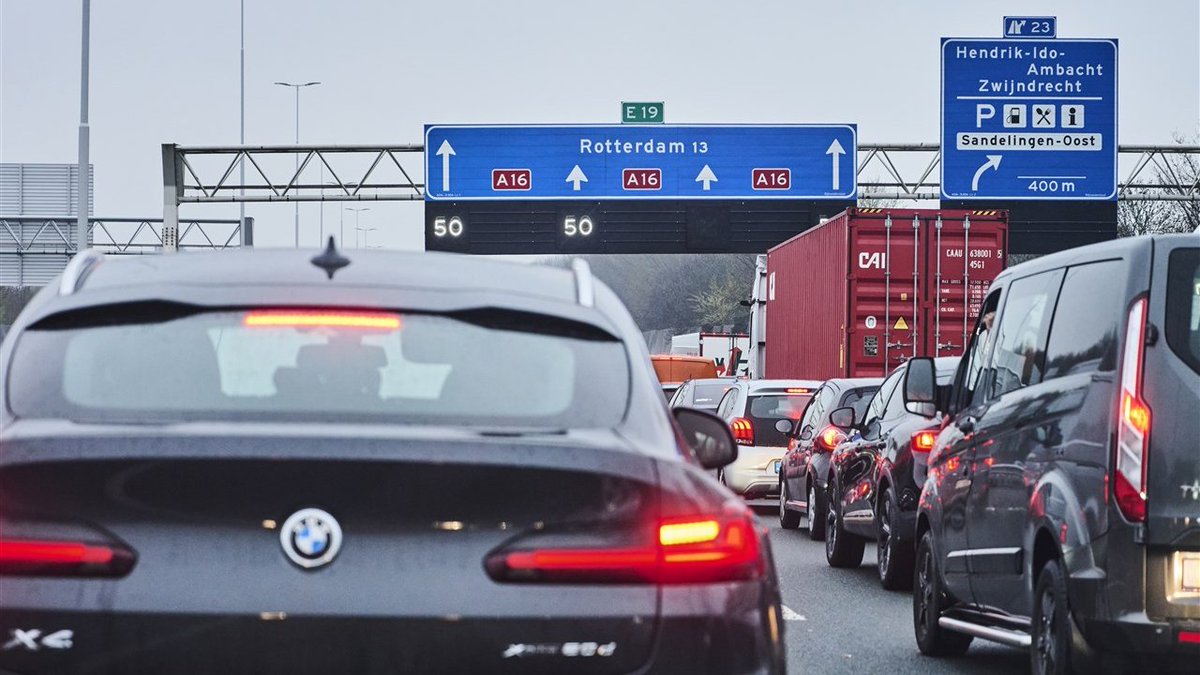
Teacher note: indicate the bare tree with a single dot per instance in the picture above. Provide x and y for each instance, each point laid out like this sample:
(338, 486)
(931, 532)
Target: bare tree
(1136, 217)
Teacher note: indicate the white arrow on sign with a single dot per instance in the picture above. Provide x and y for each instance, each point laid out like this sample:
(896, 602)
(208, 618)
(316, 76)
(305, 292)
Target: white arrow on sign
(576, 176)
(993, 162)
(444, 151)
(707, 177)
(836, 150)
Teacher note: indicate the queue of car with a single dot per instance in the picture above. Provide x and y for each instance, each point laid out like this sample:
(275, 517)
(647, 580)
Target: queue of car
(259, 423)
(1043, 491)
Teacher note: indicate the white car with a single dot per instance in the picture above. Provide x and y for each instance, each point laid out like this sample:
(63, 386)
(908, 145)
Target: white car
(753, 410)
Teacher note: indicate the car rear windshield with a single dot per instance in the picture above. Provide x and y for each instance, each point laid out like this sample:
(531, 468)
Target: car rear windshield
(1183, 305)
(320, 365)
(707, 396)
(765, 410)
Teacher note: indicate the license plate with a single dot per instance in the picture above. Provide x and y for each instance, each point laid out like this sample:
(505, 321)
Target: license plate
(776, 464)
(1189, 576)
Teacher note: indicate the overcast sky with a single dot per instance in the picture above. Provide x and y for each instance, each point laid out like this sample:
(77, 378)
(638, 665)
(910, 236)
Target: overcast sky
(167, 71)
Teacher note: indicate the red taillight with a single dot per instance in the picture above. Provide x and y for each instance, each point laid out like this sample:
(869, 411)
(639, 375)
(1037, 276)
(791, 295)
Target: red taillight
(322, 319)
(830, 437)
(922, 441)
(799, 390)
(686, 550)
(41, 557)
(1189, 637)
(743, 431)
(1133, 423)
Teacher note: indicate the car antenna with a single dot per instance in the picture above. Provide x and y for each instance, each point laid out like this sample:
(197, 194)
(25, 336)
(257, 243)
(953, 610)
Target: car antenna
(330, 260)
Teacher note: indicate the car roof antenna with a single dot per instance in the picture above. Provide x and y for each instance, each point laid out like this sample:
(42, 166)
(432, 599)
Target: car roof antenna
(330, 260)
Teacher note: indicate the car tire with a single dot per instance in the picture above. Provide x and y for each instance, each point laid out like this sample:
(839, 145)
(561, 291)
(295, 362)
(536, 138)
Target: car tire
(928, 601)
(895, 555)
(842, 549)
(816, 515)
(788, 519)
(1050, 651)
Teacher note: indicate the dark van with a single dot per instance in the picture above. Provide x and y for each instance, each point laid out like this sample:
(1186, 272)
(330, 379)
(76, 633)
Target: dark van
(1061, 512)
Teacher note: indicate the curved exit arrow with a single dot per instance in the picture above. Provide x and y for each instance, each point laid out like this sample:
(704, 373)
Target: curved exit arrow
(993, 162)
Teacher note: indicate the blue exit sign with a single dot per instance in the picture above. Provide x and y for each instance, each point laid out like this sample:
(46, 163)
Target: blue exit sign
(1030, 27)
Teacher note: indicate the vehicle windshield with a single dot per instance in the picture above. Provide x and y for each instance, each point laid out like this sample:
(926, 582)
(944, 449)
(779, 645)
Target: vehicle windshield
(319, 366)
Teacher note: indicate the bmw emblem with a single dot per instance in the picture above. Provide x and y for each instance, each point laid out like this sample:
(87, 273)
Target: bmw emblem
(311, 538)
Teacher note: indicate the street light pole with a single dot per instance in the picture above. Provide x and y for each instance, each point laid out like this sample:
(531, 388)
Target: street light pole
(296, 177)
(364, 231)
(357, 212)
(84, 182)
(242, 126)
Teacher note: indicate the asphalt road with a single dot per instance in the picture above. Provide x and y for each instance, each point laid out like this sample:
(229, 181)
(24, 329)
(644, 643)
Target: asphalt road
(843, 621)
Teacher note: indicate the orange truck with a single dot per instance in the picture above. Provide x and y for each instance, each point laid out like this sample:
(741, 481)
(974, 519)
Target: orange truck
(674, 369)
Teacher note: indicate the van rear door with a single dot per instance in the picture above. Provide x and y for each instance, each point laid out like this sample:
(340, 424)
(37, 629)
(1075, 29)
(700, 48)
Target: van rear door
(1171, 388)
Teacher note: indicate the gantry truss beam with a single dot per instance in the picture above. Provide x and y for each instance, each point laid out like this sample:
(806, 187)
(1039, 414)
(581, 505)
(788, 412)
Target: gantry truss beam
(347, 173)
(26, 235)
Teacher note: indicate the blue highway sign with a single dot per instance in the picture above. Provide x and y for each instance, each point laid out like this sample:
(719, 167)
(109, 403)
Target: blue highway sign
(1029, 119)
(1025, 27)
(620, 161)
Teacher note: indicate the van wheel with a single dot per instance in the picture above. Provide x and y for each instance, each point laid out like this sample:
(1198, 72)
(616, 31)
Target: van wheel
(816, 517)
(1050, 652)
(895, 555)
(842, 549)
(788, 520)
(928, 601)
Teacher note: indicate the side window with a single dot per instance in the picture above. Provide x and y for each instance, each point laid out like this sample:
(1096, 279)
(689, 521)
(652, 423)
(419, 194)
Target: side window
(895, 405)
(1019, 356)
(677, 398)
(726, 404)
(879, 403)
(820, 407)
(978, 350)
(1087, 317)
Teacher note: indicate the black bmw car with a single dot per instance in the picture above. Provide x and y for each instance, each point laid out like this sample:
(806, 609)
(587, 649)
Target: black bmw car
(266, 461)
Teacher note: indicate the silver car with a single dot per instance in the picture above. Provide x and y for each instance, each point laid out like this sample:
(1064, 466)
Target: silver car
(753, 409)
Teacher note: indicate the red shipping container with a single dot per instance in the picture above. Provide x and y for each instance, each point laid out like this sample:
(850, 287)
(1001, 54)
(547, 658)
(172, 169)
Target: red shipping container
(870, 288)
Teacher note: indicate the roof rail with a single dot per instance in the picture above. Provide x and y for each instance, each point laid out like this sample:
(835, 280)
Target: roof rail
(78, 269)
(585, 291)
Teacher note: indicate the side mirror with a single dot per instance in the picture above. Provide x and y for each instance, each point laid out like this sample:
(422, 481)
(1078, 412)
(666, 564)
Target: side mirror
(843, 418)
(784, 427)
(708, 436)
(920, 387)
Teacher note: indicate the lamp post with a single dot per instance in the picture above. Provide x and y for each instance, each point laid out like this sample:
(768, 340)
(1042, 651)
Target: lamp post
(364, 231)
(357, 211)
(81, 203)
(297, 87)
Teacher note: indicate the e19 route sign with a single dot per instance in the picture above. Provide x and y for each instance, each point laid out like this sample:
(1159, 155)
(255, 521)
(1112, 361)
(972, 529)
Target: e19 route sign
(661, 162)
(1029, 119)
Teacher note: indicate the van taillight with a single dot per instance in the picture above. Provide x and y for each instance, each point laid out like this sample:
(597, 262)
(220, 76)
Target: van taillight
(37, 557)
(743, 431)
(700, 549)
(922, 441)
(830, 437)
(1133, 421)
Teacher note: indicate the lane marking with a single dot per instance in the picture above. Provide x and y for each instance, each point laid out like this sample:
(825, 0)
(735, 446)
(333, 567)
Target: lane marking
(790, 614)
